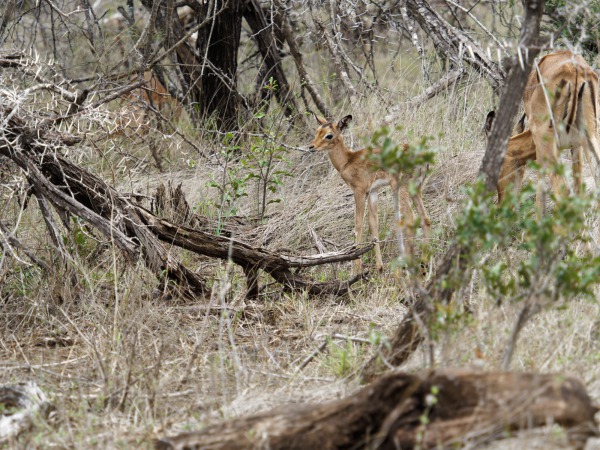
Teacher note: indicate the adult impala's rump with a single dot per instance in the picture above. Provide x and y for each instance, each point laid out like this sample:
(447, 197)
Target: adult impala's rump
(365, 180)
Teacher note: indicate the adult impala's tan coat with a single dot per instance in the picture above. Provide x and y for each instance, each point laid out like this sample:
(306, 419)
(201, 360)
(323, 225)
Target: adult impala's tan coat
(360, 175)
(560, 100)
(152, 96)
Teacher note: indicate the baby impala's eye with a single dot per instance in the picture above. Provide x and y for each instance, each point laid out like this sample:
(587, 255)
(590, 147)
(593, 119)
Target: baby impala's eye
(329, 136)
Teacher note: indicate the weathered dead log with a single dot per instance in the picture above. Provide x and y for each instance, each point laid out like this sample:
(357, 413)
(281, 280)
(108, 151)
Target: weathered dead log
(252, 259)
(459, 407)
(179, 226)
(170, 203)
(20, 405)
(75, 190)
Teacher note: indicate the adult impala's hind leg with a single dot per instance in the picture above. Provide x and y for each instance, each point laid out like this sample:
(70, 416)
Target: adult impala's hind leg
(587, 124)
(374, 227)
(359, 219)
(591, 144)
(511, 175)
(406, 222)
(576, 164)
(547, 155)
(423, 216)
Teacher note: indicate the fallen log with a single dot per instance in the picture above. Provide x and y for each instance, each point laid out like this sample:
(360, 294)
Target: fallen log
(252, 259)
(72, 189)
(20, 405)
(442, 409)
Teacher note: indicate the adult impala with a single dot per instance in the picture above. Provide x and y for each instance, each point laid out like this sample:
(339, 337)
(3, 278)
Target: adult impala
(560, 100)
(151, 96)
(365, 180)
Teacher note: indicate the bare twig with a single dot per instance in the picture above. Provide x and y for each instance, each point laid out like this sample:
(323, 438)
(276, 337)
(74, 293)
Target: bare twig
(312, 356)
(440, 86)
(338, 62)
(13, 241)
(297, 55)
(482, 26)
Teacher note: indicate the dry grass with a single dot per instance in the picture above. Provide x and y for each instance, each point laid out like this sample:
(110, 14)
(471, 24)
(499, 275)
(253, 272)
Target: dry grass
(123, 367)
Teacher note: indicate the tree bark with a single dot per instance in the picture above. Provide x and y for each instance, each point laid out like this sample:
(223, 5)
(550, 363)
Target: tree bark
(529, 47)
(458, 407)
(218, 44)
(5, 17)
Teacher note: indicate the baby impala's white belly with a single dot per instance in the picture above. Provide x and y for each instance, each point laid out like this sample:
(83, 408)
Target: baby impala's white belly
(378, 184)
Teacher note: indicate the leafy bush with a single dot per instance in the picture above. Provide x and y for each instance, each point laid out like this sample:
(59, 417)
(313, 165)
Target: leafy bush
(527, 258)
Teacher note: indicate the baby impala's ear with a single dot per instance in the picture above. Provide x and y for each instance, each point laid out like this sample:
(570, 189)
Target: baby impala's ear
(344, 121)
(489, 121)
(321, 120)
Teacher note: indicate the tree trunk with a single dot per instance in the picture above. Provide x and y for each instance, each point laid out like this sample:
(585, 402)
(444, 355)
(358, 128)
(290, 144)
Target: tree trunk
(271, 65)
(218, 44)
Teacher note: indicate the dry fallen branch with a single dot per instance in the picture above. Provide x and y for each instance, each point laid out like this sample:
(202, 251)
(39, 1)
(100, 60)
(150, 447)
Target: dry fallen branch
(86, 196)
(444, 83)
(72, 189)
(460, 407)
(252, 259)
(19, 406)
